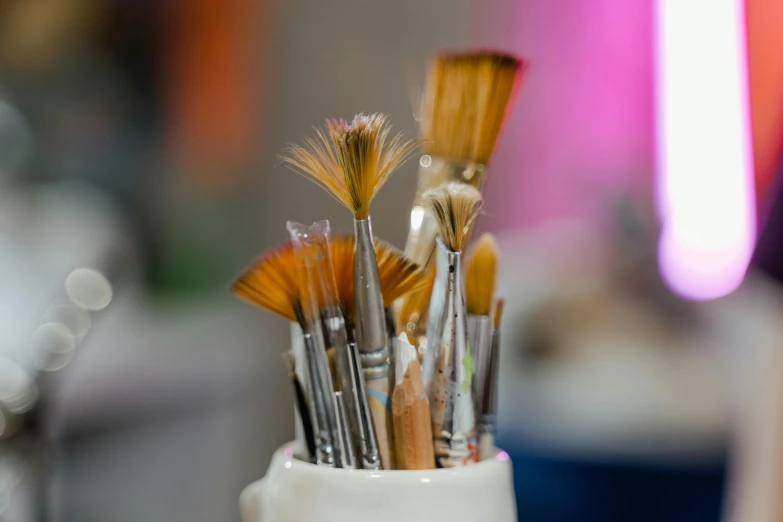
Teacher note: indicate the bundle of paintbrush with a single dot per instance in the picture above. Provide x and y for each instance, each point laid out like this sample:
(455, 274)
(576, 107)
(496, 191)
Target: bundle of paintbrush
(363, 399)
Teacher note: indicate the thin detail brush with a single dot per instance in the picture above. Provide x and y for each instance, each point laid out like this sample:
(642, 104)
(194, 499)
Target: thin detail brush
(480, 273)
(352, 161)
(448, 366)
(301, 407)
(488, 410)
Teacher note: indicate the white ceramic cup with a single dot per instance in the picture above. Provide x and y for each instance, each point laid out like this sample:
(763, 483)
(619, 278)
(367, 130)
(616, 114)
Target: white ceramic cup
(296, 491)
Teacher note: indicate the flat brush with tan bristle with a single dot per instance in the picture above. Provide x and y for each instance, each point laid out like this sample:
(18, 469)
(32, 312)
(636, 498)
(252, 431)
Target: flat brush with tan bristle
(467, 99)
(480, 272)
(447, 367)
(273, 283)
(466, 102)
(352, 161)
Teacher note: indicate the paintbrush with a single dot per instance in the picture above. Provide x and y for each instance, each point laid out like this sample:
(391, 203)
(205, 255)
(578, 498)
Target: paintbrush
(311, 245)
(352, 161)
(467, 99)
(348, 457)
(398, 275)
(273, 282)
(448, 366)
(411, 410)
(314, 242)
(480, 272)
(466, 102)
(487, 413)
(301, 407)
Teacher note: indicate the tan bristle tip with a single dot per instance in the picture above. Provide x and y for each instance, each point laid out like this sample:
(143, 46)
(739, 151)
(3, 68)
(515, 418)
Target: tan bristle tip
(455, 206)
(480, 274)
(351, 160)
(497, 316)
(467, 100)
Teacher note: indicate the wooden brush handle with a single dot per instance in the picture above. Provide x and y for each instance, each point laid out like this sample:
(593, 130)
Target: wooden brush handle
(379, 399)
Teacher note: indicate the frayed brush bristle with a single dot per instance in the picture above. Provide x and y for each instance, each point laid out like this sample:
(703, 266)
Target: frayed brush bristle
(468, 96)
(480, 273)
(455, 206)
(351, 161)
(399, 275)
(272, 283)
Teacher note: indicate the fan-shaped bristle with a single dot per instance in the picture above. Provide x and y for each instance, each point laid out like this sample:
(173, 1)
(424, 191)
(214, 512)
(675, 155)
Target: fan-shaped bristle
(467, 98)
(399, 275)
(272, 282)
(455, 206)
(480, 272)
(351, 161)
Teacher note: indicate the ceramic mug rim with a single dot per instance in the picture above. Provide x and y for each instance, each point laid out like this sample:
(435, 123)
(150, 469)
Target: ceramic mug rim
(285, 457)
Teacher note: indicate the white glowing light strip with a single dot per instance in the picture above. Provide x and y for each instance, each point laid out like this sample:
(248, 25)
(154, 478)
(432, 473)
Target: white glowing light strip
(705, 171)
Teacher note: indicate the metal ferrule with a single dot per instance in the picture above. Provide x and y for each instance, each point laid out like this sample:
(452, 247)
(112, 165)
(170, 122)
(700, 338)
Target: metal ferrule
(348, 460)
(433, 172)
(357, 411)
(437, 303)
(370, 321)
(480, 341)
(489, 398)
(321, 402)
(454, 418)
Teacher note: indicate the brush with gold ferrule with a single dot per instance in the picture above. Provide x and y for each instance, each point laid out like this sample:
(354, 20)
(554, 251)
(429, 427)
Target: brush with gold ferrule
(352, 161)
(480, 273)
(467, 99)
(448, 365)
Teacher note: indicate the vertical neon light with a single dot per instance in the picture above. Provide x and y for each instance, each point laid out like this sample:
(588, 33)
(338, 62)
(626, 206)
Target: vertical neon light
(705, 162)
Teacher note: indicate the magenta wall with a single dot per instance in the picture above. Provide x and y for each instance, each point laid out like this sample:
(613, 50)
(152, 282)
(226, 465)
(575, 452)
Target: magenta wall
(584, 120)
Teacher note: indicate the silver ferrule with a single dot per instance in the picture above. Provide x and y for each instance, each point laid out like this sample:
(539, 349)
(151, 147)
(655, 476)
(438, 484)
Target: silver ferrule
(479, 340)
(370, 319)
(321, 403)
(359, 419)
(435, 321)
(454, 418)
(348, 460)
(489, 399)
(434, 172)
